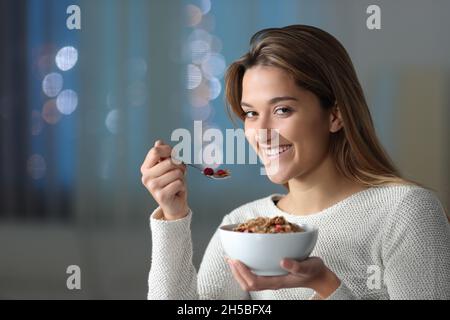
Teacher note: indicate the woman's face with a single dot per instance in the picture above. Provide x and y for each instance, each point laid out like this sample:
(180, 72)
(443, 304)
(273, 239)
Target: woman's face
(271, 100)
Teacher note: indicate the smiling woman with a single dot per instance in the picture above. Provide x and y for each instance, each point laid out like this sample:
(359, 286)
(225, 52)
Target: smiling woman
(320, 75)
(299, 82)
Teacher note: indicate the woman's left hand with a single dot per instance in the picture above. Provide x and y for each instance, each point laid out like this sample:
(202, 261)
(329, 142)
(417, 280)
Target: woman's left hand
(310, 273)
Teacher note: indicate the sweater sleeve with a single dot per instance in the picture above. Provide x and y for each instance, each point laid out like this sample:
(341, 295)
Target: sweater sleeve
(172, 274)
(416, 249)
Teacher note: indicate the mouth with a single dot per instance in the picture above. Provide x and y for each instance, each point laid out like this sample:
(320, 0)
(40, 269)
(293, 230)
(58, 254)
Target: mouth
(274, 152)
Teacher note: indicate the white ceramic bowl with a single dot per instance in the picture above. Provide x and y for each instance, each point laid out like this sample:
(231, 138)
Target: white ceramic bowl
(263, 252)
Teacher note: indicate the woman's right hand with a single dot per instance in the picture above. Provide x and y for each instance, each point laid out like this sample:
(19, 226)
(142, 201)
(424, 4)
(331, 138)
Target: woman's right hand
(165, 181)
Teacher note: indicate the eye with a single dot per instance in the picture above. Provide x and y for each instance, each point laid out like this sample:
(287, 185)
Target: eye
(249, 114)
(282, 111)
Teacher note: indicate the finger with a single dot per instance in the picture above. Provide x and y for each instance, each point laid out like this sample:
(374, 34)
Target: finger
(300, 267)
(173, 188)
(155, 155)
(260, 282)
(237, 276)
(158, 143)
(164, 180)
(162, 168)
(249, 277)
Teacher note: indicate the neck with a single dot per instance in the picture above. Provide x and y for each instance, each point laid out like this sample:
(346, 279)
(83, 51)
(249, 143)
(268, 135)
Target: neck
(319, 189)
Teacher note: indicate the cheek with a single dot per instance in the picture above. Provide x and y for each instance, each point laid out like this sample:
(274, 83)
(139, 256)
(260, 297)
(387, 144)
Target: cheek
(250, 134)
(311, 136)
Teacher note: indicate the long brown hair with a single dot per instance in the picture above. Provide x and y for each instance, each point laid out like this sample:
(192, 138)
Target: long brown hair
(319, 63)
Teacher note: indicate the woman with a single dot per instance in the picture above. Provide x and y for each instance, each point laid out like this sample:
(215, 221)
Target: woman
(300, 82)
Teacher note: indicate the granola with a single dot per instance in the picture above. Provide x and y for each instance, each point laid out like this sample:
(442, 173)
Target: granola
(276, 224)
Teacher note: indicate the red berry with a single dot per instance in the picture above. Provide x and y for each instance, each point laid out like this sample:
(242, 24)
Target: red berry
(208, 172)
(221, 172)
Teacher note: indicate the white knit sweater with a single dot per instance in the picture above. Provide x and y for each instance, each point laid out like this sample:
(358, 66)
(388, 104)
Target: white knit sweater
(397, 232)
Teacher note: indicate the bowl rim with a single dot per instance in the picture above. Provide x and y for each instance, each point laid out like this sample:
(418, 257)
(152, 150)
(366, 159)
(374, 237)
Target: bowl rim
(309, 229)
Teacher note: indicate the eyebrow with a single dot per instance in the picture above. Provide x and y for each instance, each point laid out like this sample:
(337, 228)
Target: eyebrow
(272, 101)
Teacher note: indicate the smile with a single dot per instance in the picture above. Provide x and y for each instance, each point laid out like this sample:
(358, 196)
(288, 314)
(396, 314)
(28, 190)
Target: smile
(275, 152)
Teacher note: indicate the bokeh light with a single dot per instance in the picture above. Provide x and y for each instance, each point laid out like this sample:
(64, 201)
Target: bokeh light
(36, 167)
(199, 97)
(67, 101)
(199, 50)
(43, 58)
(137, 68)
(50, 112)
(214, 66)
(199, 34)
(205, 6)
(216, 44)
(208, 23)
(194, 76)
(193, 15)
(112, 121)
(66, 58)
(52, 84)
(137, 93)
(201, 113)
(37, 124)
(215, 88)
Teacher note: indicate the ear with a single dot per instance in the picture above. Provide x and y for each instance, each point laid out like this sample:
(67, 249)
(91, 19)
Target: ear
(336, 122)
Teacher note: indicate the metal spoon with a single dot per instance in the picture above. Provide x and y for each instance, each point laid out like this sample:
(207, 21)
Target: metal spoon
(201, 169)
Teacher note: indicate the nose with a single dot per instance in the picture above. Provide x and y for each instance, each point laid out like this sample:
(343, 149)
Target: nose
(262, 132)
(267, 136)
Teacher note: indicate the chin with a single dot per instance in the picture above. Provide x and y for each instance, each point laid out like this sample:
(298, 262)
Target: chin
(279, 177)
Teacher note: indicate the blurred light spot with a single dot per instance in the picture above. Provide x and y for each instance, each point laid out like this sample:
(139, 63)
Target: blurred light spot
(43, 58)
(137, 93)
(194, 76)
(193, 15)
(214, 66)
(137, 68)
(112, 121)
(205, 6)
(67, 101)
(208, 23)
(215, 87)
(52, 84)
(199, 49)
(199, 34)
(201, 113)
(199, 97)
(36, 166)
(36, 123)
(216, 44)
(66, 58)
(45, 64)
(50, 112)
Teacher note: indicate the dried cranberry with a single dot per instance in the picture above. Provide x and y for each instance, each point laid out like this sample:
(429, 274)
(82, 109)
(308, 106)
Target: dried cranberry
(221, 173)
(208, 172)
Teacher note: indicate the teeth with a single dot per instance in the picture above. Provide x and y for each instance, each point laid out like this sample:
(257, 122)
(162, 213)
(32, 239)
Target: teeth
(277, 150)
